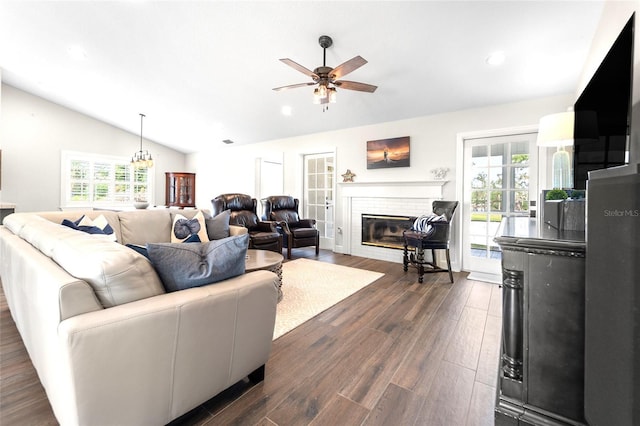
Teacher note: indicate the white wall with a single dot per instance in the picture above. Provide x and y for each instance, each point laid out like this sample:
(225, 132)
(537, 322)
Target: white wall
(433, 144)
(230, 168)
(34, 131)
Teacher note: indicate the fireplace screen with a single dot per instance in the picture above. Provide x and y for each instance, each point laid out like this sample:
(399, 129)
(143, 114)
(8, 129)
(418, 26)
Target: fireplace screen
(384, 230)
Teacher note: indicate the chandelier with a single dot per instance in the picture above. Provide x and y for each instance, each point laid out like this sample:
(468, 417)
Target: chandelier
(141, 158)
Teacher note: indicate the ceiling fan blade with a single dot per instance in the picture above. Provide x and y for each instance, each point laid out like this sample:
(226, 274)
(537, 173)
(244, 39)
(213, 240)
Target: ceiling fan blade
(293, 86)
(299, 67)
(354, 85)
(347, 67)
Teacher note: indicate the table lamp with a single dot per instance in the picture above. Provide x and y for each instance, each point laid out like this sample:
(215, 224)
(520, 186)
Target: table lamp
(556, 130)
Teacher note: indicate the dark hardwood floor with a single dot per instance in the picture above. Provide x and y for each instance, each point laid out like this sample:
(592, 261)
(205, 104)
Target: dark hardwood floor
(395, 353)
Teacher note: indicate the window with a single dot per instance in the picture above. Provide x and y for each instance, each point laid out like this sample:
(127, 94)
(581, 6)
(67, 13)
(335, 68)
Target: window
(92, 180)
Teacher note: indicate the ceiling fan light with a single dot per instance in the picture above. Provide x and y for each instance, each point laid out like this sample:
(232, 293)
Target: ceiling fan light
(333, 95)
(316, 96)
(322, 91)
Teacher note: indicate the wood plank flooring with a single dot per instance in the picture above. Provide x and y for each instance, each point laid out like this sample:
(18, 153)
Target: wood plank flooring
(395, 353)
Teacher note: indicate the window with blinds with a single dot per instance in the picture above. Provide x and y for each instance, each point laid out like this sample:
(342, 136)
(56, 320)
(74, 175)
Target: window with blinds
(92, 180)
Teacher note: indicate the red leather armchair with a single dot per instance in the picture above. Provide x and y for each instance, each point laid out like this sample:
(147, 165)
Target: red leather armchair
(297, 232)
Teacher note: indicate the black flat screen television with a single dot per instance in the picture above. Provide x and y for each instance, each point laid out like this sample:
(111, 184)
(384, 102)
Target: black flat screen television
(603, 112)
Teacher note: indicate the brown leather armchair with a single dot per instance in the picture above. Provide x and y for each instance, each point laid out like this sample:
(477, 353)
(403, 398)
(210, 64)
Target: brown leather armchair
(262, 235)
(283, 210)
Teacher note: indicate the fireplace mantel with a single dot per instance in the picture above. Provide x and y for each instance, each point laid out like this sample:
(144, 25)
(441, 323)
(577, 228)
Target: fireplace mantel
(403, 189)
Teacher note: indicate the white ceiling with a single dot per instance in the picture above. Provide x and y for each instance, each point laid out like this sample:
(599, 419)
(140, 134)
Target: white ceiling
(204, 71)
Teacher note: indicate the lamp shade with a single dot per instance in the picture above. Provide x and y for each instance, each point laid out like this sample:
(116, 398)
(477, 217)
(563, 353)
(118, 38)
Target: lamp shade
(556, 129)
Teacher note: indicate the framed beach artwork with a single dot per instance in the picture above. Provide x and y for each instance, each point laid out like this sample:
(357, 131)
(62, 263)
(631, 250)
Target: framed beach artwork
(385, 153)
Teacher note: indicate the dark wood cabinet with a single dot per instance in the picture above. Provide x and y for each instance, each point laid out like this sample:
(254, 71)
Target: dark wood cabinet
(541, 375)
(180, 189)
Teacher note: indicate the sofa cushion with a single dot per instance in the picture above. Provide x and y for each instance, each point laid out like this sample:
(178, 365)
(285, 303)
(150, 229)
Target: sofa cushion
(182, 266)
(116, 274)
(58, 216)
(218, 226)
(145, 226)
(183, 228)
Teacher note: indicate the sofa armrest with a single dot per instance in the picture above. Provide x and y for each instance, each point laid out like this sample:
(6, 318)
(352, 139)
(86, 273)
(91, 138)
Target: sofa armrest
(175, 350)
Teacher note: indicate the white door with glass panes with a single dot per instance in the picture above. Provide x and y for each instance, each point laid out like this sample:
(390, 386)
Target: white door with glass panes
(318, 204)
(500, 179)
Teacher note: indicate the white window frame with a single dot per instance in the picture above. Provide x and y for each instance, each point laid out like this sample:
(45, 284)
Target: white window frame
(65, 185)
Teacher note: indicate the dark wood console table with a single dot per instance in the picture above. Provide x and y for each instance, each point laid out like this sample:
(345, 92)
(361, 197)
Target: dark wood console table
(541, 375)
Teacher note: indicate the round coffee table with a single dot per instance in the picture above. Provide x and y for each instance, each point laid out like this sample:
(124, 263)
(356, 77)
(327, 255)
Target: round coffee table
(267, 260)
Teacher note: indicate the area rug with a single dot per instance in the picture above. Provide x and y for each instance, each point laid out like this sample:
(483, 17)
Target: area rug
(310, 287)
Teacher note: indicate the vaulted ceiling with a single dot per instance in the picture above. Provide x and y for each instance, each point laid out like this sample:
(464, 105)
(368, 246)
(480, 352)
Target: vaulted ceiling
(203, 71)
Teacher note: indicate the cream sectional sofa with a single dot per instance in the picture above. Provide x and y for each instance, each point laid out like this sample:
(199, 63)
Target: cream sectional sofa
(109, 345)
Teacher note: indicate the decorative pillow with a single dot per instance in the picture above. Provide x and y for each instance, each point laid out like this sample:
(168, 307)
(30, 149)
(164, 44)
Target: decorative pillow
(218, 227)
(423, 223)
(140, 249)
(183, 228)
(101, 222)
(143, 250)
(99, 226)
(182, 266)
(193, 238)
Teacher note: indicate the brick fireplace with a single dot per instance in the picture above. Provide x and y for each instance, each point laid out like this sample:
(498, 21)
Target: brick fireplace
(405, 199)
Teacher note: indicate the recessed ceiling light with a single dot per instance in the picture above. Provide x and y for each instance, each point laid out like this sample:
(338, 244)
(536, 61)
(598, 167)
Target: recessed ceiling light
(286, 110)
(228, 141)
(77, 53)
(496, 58)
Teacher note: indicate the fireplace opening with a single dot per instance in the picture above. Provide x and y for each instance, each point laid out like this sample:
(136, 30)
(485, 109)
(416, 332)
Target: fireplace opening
(384, 230)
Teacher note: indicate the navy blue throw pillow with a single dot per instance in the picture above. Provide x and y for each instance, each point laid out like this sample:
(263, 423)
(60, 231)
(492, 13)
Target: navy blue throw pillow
(181, 266)
(140, 249)
(83, 228)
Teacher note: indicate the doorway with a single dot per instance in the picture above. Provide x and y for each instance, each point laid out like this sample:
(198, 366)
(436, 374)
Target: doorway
(319, 190)
(500, 180)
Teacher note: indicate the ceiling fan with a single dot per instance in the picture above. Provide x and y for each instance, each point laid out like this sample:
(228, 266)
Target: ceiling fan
(327, 78)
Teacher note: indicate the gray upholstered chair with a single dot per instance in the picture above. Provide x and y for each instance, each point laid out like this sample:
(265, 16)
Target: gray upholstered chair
(262, 235)
(297, 232)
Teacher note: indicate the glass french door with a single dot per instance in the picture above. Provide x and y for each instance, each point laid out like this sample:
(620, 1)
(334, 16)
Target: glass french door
(500, 179)
(318, 204)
